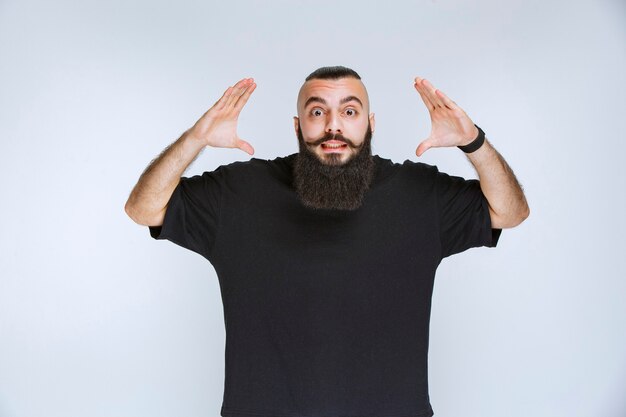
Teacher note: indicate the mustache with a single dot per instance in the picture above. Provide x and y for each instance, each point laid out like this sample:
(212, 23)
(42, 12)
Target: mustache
(332, 136)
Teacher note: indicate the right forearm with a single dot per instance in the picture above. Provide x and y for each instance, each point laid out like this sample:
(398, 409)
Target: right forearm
(148, 200)
(216, 128)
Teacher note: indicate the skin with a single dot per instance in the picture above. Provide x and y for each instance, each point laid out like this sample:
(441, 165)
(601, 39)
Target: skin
(344, 110)
(217, 128)
(451, 127)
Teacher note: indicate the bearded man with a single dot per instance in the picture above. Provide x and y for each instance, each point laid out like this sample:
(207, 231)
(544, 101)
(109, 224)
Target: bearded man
(326, 258)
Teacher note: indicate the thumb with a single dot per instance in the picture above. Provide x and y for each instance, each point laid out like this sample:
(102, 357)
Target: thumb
(423, 147)
(245, 146)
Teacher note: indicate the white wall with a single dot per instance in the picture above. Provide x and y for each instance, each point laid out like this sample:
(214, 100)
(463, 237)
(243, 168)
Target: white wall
(97, 319)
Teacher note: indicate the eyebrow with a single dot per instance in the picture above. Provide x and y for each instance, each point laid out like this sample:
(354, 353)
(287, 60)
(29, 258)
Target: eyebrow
(316, 99)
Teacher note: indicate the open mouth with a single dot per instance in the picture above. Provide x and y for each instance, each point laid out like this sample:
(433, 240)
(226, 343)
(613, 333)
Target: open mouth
(334, 146)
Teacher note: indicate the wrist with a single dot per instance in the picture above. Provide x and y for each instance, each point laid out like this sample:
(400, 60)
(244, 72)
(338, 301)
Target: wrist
(476, 143)
(193, 141)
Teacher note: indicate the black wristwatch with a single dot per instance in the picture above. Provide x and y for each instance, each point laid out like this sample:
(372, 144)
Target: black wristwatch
(475, 144)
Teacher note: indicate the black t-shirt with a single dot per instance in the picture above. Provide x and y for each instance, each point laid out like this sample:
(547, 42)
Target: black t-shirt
(326, 311)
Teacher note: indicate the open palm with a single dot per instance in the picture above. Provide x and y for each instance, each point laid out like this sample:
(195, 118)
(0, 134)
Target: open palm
(218, 126)
(451, 126)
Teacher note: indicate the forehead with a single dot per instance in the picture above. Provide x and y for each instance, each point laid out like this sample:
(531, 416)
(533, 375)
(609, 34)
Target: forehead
(333, 91)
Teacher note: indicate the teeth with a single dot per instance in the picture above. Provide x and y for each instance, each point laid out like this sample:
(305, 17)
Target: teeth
(333, 146)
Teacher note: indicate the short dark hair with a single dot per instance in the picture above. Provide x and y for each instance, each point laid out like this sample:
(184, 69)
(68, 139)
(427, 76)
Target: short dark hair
(332, 73)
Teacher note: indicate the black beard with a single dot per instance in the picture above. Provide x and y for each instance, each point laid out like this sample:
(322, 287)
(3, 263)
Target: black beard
(333, 185)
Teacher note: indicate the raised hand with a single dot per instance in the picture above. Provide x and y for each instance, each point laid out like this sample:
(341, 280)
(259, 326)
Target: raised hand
(451, 126)
(218, 126)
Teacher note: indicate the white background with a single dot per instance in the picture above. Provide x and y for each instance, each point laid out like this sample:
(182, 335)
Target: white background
(98, 319)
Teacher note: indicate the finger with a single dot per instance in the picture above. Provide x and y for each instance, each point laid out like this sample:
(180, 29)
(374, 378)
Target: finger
(236, 93)
(423, 147)
(222, 100)
(245, 146)
(446, 100)
(244, 97)
(420, 89)
(431, 91)
(427, 102)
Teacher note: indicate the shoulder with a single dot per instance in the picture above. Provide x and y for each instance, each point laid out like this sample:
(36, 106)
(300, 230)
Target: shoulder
(406, 165)
(425, 177)
(278, 166)
(430, 172)
(419, 167)
(253, 171)
(388, 168)
(258, 163)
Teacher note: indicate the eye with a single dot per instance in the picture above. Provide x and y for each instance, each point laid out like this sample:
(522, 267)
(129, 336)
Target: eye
(316, 112)
(350, 112)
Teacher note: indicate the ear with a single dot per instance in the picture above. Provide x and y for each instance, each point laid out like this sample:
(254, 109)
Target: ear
(372, 122)
(295, 124)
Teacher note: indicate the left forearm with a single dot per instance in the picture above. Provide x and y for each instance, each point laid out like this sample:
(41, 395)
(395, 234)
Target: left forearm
(507, 203)
(451, 126)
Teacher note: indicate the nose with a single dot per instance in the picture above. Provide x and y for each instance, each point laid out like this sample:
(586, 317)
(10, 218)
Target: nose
(333, 123)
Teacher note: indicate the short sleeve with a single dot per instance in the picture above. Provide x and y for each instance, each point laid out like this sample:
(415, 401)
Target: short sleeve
(192, 214)
(464, 217)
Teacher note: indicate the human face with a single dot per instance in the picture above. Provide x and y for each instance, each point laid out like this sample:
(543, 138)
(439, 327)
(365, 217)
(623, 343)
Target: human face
(333, 118)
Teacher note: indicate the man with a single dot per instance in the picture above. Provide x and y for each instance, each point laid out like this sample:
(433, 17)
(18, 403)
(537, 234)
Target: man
(326, 258)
